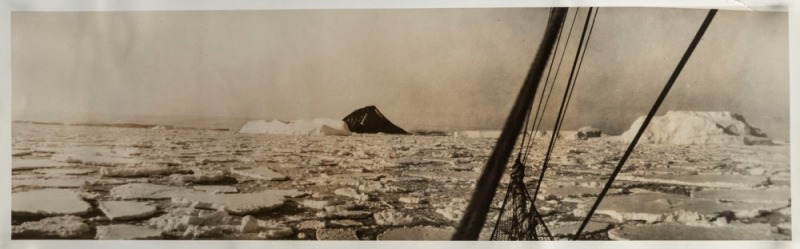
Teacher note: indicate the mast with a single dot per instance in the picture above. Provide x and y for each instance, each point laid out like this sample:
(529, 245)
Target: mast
(475, 215)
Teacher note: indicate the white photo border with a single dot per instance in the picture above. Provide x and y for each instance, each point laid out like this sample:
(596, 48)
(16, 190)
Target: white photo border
(170, 5)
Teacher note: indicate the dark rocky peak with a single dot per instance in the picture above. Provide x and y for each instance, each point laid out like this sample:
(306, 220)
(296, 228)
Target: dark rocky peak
(370, 120)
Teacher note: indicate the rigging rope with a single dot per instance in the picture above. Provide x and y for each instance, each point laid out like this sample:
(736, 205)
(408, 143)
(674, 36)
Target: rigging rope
(546, 82)
(517, 185)
(524, 221)
(653, 110)
(538, 119)
(524, 133)
(580, 63)
(561, 111)
(475, 215)
(523, 224)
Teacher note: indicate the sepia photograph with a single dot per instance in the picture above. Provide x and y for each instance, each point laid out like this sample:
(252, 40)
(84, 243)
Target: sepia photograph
(424, 124)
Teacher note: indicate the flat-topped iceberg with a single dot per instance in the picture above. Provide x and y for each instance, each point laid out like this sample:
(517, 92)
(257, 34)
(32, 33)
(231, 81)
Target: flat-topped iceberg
(318, 126)
(689, 127)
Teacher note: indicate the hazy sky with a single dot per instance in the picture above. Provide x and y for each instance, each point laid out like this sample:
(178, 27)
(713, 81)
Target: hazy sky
(424, 69)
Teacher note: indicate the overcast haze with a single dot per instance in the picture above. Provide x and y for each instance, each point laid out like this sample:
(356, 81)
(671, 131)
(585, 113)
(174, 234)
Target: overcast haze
(443, 69)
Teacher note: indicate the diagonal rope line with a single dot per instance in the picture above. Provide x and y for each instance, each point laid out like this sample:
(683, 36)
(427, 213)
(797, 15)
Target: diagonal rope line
(560, 117)
(581, 54)
(539, 116)
(475, 215)
(653, 110)
(525, 150)
(580, 64)
(511, 187)
(524, 133)
(533, 212)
